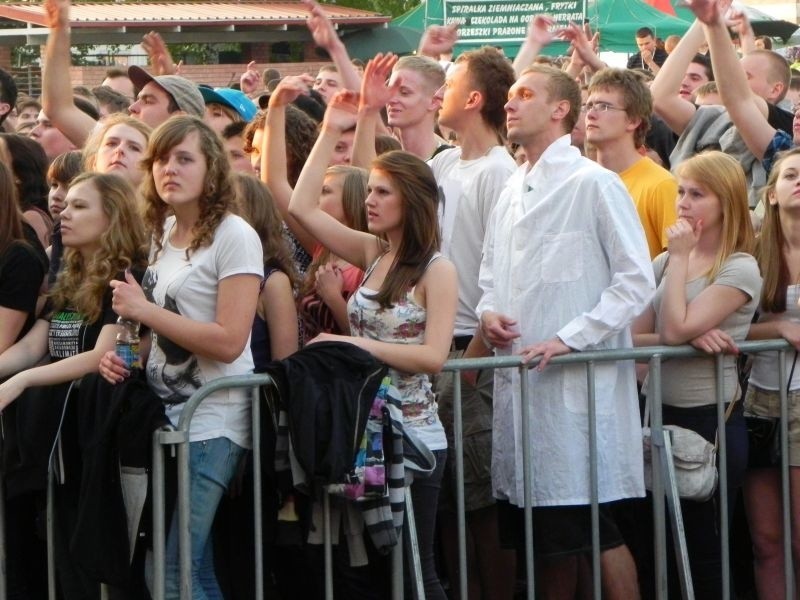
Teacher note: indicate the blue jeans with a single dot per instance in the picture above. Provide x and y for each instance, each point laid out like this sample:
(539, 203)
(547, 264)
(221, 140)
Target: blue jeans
(212, 464)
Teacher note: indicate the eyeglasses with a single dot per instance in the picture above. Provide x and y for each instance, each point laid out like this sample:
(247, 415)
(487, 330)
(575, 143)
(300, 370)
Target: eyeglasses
(600, 107)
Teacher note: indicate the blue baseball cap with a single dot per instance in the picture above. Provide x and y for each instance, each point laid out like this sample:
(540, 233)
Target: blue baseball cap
(231, 98)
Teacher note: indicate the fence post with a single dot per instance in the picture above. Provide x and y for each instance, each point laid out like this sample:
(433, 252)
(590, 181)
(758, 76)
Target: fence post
(458, 440)
(527, 484)
(595, 508)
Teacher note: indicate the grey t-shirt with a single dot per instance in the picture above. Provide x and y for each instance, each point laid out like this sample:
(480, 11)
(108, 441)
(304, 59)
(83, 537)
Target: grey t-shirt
(690, 382)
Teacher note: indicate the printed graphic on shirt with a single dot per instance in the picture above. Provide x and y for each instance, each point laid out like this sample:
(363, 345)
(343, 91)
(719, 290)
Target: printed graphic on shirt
(173, 369)
(64, 335)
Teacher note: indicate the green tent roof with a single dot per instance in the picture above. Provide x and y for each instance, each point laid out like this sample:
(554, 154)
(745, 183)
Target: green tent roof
(618, 20)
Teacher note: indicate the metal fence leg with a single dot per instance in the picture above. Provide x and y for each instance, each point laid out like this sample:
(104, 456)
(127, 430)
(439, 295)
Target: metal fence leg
(3, 568)
(678, 532)
(593, 478)
(51, 558)
(397, 569)
(458, 440)
(414, 564)
(184, 533)
(527, 484)
(327, 544)
(258, 534)
(659, 477)
(159, 519)
(723, 478)
(786, 502)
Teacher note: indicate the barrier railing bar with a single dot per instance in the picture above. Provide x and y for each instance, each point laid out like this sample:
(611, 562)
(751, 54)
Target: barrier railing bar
(656, 459)
(51, 557)
(719, 371)
(258, 533)
(644, 353)
(786, 503)
(3, 568)
(328, 544)
(397, 569)
(159, 516)
(458, 440)
(595, 508)
(527, 484)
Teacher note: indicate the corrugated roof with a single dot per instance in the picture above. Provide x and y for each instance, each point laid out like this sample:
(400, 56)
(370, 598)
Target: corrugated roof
(197, 14)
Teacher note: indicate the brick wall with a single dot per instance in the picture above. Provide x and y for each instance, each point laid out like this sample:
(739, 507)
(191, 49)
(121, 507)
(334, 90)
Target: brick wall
(215, 75)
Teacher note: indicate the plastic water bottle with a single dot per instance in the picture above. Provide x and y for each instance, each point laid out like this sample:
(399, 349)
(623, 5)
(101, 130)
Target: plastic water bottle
(128, 343)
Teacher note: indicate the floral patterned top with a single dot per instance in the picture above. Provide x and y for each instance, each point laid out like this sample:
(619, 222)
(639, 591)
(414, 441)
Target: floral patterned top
(403, 323)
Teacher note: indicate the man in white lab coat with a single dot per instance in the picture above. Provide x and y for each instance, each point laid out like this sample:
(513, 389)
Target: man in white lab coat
(565, 268)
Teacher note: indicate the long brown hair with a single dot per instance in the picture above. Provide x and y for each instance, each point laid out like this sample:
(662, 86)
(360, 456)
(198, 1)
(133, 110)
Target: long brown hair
(414, 181)
(123, 245)
(255, 205)
(218, 196)
(10, 215)
(771, 243)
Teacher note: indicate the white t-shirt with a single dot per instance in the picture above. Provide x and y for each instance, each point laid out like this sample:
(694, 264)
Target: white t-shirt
(470, 189)
(189, 288)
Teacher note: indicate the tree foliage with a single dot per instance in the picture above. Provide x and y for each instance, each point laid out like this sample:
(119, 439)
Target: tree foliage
(393, 8)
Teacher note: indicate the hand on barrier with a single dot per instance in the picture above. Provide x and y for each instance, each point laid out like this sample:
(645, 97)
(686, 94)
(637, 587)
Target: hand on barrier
(546, 350)
(715, 341)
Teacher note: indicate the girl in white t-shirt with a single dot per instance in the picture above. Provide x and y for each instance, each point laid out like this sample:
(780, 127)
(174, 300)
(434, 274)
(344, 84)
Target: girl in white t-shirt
(198, 298)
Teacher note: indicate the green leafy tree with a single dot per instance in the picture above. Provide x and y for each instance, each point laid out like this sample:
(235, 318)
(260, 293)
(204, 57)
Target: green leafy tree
(393, 8)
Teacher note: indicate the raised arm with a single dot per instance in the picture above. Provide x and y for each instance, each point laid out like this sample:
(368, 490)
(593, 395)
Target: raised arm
(324, 34)
(356, 247)
(57, 101)
(584, 48)
(61, 371)
(274, 170)
(438, 40)
(375, 94)
(738, 21)
(747, 111)
(538, 36)
(159, 55)
(667, 103)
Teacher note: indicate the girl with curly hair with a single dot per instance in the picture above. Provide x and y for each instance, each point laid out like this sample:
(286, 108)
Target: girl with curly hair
(198, 299)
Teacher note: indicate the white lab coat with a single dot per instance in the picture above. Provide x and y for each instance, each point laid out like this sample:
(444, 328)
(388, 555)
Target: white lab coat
(566, 256)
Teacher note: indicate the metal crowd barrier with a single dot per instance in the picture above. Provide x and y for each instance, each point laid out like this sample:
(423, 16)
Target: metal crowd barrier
(655, 355)
(660, 444)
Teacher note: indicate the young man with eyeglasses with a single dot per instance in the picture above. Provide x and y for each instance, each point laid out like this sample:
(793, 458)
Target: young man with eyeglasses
(565, 268)
(617, 119)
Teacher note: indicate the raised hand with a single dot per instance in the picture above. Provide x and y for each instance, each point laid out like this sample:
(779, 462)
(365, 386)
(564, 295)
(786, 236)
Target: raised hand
(57, 13)
(540, 30)
(576, 35)
(342, 111)
(375, 93)
(289, 89)
(438, 39)
(329, 282)
(250, 80)
(320, 26)
(708, 12)
(158, 54)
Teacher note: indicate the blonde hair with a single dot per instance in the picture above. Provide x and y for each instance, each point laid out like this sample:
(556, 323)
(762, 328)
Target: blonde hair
(723, 176)
(92, 146)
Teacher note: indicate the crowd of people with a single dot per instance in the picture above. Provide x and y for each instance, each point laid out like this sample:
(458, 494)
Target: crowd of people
(413, 209)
